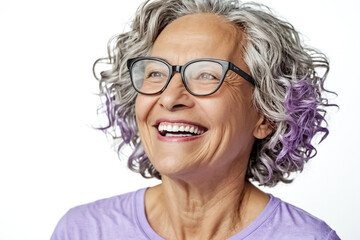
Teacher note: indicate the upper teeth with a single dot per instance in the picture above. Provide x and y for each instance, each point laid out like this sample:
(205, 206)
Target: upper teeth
(179, 127)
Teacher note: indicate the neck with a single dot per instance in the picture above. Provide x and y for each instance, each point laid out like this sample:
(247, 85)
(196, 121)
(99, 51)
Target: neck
(209, 209)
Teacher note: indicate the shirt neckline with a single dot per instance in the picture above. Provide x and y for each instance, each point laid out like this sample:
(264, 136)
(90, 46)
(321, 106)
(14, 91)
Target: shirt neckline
(145, 227)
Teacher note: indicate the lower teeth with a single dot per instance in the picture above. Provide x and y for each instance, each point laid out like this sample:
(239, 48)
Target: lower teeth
(178, 135)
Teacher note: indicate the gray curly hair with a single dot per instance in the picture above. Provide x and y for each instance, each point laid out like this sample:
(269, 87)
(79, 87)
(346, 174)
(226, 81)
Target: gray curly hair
(288, 92)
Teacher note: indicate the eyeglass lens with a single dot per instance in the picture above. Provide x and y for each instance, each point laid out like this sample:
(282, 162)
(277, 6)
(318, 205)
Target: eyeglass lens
(201, 77)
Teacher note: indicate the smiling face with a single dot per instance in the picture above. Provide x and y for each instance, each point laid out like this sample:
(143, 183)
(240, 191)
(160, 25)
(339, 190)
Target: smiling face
(186, 135)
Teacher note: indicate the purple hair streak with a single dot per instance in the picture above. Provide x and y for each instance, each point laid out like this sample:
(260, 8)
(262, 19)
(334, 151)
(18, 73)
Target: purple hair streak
(306, 118)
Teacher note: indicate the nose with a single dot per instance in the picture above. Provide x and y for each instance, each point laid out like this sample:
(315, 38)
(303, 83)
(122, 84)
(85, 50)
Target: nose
(175, 96)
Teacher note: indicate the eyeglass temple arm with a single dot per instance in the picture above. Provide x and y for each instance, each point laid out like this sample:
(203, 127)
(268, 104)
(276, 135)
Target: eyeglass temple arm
(243, 74)
(129, 62)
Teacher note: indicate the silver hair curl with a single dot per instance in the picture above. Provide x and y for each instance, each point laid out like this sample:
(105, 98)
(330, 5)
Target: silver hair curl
(279, 62)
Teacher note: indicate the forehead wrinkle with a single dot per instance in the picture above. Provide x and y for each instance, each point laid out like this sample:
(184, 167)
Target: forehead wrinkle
(198, 29)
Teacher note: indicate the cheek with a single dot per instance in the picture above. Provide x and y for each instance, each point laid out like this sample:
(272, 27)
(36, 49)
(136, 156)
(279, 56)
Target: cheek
(239, 99)
(236, 107)
(139, 111)
(143, 107)
(237, 116)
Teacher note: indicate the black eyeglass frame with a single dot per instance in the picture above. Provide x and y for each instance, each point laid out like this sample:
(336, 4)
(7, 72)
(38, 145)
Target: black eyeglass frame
(181, 69)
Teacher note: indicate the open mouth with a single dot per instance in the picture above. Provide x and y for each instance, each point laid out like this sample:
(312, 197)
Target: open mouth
(167, 129)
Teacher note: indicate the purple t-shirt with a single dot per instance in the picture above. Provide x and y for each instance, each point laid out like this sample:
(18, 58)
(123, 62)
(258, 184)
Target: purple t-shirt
(123, 217)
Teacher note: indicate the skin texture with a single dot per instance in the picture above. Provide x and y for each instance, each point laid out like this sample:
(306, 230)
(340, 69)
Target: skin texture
(203, 194)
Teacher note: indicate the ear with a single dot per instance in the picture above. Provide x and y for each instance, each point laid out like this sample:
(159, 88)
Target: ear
(263, 128)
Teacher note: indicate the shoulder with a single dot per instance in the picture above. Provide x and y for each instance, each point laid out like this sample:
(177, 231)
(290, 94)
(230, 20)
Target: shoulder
(103, 219)
(291, 222)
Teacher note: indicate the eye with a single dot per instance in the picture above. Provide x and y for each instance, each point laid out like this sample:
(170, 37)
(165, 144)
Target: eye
(207, 76)
(156, 75)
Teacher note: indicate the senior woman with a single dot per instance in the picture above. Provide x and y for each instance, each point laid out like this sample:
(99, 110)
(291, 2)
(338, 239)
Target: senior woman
(210, 94)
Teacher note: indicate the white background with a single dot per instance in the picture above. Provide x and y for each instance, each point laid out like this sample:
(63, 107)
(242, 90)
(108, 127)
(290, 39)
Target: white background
(50, 157)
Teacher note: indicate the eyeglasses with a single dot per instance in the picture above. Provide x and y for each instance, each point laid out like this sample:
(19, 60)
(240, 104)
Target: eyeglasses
(201, 77)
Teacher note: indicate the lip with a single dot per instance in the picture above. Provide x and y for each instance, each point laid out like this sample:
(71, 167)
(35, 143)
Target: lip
(177, 139)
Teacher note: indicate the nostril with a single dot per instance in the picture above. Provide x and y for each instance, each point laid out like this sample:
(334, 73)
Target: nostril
(174, 107)
(178, 106)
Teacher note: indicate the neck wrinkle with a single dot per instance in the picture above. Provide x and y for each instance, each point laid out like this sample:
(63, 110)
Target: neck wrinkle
(202, 213)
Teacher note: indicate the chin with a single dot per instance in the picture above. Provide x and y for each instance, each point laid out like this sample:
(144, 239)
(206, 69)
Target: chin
(169, 165)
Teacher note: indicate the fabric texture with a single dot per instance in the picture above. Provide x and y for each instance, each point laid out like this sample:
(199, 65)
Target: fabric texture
(123, 217)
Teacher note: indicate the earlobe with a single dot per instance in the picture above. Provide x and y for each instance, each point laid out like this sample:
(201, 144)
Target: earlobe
(263, 128)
